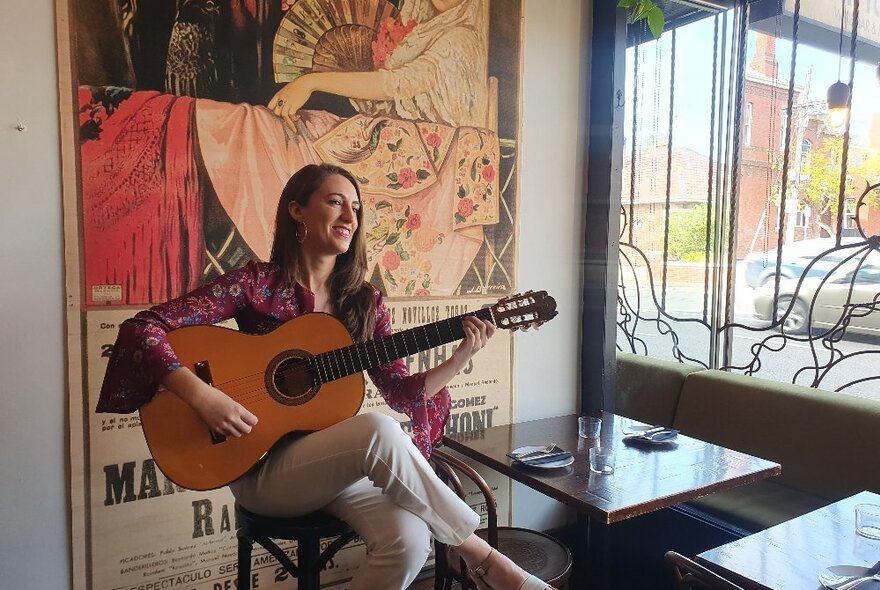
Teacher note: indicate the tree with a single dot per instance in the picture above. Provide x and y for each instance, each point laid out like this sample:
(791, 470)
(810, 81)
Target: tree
(820, 179)
(687, 235)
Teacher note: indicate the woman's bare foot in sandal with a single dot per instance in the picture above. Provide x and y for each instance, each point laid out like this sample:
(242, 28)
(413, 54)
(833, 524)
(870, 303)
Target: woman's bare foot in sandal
(492, 570)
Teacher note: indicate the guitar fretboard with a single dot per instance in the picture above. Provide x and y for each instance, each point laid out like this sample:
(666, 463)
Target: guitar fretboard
(336, 364)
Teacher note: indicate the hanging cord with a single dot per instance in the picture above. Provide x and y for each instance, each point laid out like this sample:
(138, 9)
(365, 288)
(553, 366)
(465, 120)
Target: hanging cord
(786, 155)
(840, 42)
(668, 173)
(769, 179)
(736, 166)
(841, 196)
(633, 153)
(712, 101)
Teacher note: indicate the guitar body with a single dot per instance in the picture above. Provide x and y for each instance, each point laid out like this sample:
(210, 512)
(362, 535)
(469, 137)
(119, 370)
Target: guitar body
(247, 367)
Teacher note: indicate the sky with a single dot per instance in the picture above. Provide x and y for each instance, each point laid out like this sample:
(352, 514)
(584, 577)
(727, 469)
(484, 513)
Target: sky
(693, 83)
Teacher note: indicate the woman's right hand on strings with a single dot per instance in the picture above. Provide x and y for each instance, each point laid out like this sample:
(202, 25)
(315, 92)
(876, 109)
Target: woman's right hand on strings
(222, 414)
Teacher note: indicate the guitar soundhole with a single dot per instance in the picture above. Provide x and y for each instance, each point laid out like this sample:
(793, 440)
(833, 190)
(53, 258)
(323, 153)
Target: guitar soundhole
(289, 378)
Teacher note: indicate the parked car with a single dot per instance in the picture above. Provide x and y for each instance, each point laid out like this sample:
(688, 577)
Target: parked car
(861, 291)
(761, 266)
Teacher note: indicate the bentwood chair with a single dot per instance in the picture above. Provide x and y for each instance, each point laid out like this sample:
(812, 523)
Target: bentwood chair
(537, 553)
(307, 531)
(690, 575)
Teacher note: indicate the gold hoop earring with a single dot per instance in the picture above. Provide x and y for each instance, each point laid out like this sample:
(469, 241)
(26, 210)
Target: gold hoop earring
(305, 233)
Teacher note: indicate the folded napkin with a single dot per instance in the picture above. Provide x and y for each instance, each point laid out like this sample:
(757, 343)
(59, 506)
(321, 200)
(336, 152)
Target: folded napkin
(537, 455)
(654, 435)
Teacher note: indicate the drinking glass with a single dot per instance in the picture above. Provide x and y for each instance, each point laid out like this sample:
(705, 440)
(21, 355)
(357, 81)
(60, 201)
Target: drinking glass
(868, 520)
(589, 426)
(602, 460)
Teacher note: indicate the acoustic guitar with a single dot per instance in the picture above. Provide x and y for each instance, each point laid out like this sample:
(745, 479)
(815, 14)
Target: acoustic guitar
(301, 377)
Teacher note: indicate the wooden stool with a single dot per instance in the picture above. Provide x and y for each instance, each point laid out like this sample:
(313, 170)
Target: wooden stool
(306, 530)
(539, 554)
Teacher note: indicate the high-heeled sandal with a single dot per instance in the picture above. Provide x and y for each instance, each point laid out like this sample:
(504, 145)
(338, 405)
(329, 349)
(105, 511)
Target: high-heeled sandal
(477, 575)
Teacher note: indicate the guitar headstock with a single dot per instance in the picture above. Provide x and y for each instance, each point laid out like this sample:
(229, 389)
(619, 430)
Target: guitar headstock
(524, 310)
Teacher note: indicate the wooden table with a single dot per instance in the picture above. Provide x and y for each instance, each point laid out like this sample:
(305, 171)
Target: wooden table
(645, 478)
(791, 555)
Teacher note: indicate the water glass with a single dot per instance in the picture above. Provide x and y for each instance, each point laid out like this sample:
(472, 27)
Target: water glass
(602, 460)
(868, 520)
(589, 426)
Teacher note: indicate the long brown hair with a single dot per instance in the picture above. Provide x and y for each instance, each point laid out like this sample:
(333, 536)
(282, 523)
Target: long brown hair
(353, 298)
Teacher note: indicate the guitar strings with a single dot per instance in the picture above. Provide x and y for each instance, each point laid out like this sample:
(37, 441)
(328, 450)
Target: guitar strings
(334, 364)
(326, 364)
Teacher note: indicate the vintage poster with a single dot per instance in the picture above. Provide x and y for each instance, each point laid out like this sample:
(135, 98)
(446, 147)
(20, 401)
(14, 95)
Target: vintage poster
(186, 119)
(149, 533)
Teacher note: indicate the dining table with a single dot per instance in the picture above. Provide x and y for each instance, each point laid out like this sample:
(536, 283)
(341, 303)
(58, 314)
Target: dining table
(646, 477)
(790, 555)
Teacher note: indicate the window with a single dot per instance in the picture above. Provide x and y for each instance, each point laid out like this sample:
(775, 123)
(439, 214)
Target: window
(783, 121)
(802, 217)
(690, 291)
(849, 217)
(747, 130)
(806, 155)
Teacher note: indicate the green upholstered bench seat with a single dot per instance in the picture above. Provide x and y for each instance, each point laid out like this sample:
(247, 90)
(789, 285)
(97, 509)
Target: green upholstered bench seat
(759, 505)
(826, 442)
(648, 388)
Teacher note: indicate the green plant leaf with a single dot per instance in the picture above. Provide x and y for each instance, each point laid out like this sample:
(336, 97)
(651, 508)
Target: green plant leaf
(627, 4)
(656, 20)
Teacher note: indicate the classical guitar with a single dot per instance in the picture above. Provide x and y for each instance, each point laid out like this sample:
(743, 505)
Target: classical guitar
(304, 376)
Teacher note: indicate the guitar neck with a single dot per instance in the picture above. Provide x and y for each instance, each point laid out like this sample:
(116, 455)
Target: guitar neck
(341, 362)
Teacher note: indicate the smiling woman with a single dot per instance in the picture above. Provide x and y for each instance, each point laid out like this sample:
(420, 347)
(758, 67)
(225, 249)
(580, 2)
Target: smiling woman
(362, 469)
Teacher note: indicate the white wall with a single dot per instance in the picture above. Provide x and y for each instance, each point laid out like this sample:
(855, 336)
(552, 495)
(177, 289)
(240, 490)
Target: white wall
(35, 545)
(551, 224)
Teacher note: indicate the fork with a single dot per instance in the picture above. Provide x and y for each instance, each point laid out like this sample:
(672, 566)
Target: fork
(857, 582)
(846, 583)
(541, 451)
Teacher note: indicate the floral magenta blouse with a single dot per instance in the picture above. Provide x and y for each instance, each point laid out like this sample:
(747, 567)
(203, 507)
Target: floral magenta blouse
(253, 296)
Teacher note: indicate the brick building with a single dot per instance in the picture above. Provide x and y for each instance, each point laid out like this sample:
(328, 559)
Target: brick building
(765, 101)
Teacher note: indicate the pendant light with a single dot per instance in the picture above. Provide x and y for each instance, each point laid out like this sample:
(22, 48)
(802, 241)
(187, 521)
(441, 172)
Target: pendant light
(838, 93)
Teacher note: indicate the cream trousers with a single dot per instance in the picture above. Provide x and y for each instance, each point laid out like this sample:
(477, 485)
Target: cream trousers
(366, 471)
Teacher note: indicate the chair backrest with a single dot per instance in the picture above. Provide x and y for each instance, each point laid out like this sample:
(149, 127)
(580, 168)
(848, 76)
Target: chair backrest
(448, 467)
(690, 575)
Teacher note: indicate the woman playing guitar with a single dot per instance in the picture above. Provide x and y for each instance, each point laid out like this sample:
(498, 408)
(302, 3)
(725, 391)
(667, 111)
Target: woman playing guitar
(364, 469)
